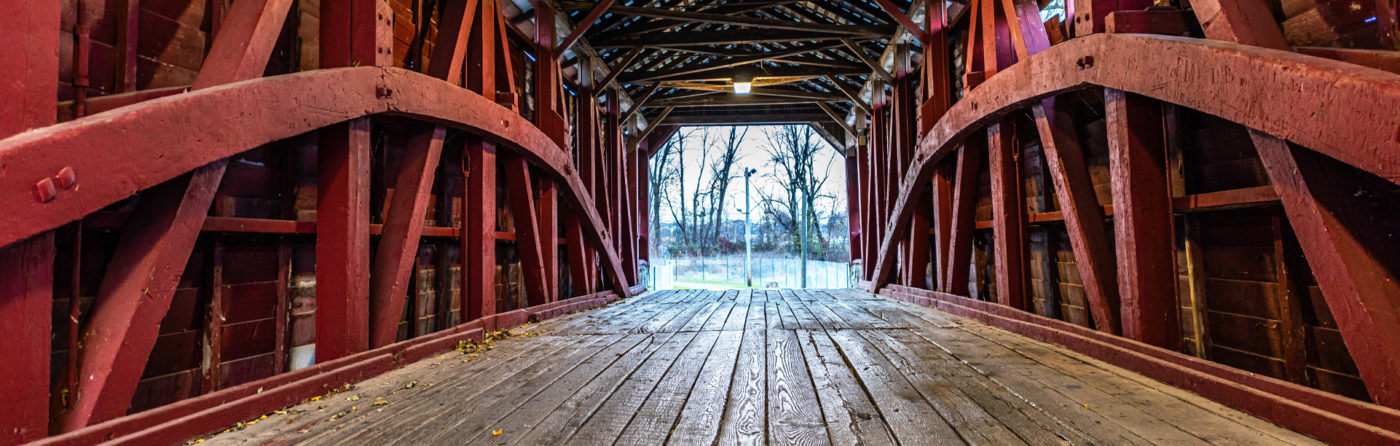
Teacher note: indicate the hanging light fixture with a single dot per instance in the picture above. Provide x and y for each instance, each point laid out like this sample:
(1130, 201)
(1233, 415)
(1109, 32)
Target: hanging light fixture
(743, 83)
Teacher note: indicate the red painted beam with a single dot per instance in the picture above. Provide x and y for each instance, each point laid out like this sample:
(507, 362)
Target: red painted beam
(582, 27)
(403, 227)
(1142, 219)
(458, 17)
(521, 195)
(26, 300)
(942, 231)
(548, 212)
(1350, 252)
(1084, 219)
(579, 257)
(1080, 62)
(355, 32)
(479, 229)
(29, 66)
(342, 240)
(1250, 22)
(964, 210)
(1008, 215)
(904, 20)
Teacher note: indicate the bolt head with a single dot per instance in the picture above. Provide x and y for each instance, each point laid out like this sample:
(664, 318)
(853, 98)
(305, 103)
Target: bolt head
(66, 178)
(45, 191)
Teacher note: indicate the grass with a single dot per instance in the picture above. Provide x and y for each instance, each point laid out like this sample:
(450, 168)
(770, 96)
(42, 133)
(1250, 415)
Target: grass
(682, 284)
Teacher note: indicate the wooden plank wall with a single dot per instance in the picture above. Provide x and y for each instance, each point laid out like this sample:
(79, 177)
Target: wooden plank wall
(246, 303)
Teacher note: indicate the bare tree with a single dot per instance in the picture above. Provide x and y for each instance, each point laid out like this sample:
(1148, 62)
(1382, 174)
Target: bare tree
(664, 176)
(793, 151)
(698, 212)
(721, 174)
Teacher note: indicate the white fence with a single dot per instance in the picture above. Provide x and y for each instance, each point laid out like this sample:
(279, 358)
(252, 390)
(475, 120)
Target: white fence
(728, 272)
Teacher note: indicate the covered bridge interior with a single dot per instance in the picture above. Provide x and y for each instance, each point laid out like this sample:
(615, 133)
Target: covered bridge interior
(1082, 221)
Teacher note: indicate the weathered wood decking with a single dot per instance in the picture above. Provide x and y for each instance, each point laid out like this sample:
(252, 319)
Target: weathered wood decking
(782, 367)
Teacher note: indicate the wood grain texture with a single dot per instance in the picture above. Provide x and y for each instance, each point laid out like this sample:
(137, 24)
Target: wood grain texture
(799, 367)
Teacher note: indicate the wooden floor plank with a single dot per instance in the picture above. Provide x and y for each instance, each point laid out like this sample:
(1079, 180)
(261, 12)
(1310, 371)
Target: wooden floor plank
(972, 421)
(850, 415)
(761, 367)
(658, 414)
(608, 421)
(524, 415)
(1028, 420)
(794, 413)
(746, 415)
(911, 419)
(703, 412)
(476, 415)
(1015, 372)
(1161, 406)
(570, 415)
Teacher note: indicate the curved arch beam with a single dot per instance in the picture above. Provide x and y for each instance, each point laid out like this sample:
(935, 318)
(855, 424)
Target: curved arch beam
(1314, 102)
(119, 153)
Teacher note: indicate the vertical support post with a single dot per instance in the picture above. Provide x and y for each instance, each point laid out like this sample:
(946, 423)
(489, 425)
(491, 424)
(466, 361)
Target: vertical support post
(644, 202)
(342, 240)
(29, 65)
(548, 105)
(609, 169)
(579, 256)
(1142, 219)
(479, 228)
(628, 203)
(353, 34)
(853, 214)
(1008, 215)
(581, 262)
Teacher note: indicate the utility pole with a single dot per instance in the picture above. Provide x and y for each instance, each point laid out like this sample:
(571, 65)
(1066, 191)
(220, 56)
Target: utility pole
(802, 211)
(748, 240)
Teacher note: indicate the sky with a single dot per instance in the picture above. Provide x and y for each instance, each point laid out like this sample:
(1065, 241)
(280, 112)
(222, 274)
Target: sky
(752, 154)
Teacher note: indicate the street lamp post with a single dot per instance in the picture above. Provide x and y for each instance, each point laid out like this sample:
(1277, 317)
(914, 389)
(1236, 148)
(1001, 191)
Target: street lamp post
(748, 240)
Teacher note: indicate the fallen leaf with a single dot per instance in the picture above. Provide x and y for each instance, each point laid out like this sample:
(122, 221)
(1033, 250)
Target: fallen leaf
(497, 432)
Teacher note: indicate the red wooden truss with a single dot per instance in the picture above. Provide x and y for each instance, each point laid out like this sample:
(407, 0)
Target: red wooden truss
(384, 204)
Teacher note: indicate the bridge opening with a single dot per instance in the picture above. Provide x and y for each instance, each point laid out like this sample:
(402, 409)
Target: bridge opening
(749, 207)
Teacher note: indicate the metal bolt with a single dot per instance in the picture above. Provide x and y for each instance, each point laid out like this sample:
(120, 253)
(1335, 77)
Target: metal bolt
(66, 178)
(45, 191)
